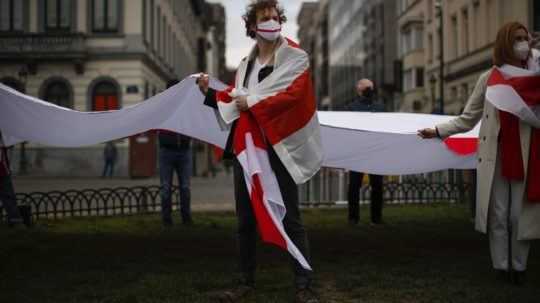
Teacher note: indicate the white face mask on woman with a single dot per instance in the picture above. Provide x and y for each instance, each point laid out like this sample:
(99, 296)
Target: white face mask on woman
(269, 30)
(522, 50)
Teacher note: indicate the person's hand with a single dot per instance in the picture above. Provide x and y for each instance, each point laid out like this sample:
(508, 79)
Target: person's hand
(428, 133)
(204, 82)
(241, 103)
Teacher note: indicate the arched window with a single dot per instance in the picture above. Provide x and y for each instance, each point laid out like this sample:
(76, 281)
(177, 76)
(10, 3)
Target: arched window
(58, 92)
(105, 96)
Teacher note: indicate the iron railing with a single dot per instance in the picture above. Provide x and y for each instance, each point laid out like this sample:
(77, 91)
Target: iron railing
(146, 199)
(331, 185)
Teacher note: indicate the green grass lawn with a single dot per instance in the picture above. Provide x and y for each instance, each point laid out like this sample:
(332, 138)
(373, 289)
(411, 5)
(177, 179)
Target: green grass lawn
(422, 254)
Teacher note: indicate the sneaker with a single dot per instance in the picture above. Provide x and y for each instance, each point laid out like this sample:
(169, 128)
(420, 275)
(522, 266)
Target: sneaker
(306, 295)
(236, 294)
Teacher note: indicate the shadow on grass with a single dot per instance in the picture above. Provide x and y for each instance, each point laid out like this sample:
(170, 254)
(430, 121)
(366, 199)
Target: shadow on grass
(422, 254)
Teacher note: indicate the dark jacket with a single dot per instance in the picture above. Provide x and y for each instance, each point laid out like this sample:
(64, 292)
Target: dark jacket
(363, 104)
(211, 101)
(172, 140)
(110, 152)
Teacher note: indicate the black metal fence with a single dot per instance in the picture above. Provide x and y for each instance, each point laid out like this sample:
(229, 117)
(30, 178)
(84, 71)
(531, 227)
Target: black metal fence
(143, 200)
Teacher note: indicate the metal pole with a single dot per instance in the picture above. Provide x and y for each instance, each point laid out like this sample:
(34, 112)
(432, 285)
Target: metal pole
(441, 67)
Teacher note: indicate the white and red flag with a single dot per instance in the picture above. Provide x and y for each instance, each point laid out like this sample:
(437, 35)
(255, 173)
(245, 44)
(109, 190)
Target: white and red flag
(282, 113)
(284, 107)
(267, 203)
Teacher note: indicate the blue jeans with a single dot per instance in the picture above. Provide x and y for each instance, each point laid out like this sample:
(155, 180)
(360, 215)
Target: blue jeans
(171, 160)
(108, 169)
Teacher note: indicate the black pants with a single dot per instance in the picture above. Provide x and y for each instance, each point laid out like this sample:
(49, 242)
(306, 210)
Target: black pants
(247, 225)
(355, 182)
(9, 200)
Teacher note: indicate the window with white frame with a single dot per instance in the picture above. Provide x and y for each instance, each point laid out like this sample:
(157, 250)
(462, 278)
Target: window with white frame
(412, 39)
(408, 80)
(413, 78)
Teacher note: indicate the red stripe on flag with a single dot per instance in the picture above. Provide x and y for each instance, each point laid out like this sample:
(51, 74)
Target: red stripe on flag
(267, 229)
(292, 43)
(247, 124)
(462, 146)
(287, 112)
(525, 87)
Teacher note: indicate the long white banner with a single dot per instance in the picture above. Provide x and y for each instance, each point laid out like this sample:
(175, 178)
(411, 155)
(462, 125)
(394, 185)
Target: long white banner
(380, 143)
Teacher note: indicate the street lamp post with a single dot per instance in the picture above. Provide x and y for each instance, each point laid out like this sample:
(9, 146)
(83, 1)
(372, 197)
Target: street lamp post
(439, 9)
(433, 83)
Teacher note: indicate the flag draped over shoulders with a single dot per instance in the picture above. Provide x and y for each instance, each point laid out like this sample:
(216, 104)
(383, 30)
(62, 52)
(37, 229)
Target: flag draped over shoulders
(283, 104)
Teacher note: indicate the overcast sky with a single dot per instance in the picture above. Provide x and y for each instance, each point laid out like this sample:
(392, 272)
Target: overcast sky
(238, 44)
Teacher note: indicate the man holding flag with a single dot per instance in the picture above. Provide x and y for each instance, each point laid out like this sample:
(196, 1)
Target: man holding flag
(275, 142)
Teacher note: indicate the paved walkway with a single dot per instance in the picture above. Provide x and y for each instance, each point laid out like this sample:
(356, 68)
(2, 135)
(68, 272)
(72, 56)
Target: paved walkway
(207, 193)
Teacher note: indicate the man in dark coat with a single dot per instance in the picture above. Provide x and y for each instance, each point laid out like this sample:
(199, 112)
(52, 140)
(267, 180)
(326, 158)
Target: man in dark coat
(365, 102)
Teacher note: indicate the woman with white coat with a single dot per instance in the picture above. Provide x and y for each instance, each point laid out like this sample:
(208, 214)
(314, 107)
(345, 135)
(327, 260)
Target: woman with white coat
(507, 158)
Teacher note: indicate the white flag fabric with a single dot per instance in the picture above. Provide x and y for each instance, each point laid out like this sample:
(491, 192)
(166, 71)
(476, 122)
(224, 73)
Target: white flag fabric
(179, 109)
(388, 144)
(378, 143)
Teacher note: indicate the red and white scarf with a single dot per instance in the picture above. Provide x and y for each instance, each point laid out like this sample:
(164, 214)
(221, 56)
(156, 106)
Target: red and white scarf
(515, 93)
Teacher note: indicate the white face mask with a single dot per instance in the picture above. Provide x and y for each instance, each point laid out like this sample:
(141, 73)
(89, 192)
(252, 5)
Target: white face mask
(522, 50)
(269, 30)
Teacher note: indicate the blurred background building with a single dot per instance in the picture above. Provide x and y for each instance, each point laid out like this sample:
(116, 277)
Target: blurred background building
(465, 43)
(397, 43)
(350, 40)
(313, 37)
(93, 55)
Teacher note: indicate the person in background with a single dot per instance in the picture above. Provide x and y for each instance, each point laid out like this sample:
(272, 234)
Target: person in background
(175, 155)
(110, 154)
(365, 102)
(7, 192)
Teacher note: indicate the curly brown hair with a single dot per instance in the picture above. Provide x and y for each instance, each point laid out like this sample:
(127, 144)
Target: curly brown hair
(250, 17)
